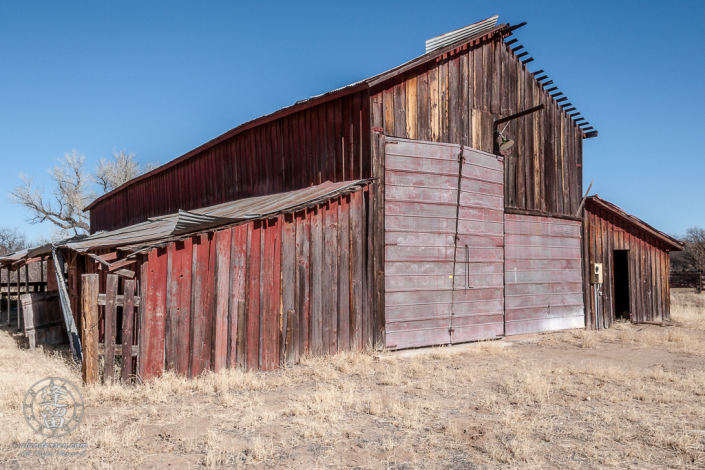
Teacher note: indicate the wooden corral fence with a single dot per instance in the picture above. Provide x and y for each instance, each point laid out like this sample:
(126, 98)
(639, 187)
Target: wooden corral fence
(688, 279)
(10, 302)
(109, 317)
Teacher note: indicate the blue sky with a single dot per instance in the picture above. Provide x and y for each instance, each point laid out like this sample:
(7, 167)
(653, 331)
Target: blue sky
(159, 79)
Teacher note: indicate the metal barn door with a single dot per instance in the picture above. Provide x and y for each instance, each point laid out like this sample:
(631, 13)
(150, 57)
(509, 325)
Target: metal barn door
(441, 288)
(478, 298)
(543, 278)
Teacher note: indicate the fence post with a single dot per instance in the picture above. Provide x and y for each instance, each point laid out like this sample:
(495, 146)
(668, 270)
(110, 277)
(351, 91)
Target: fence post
(89, 328)
(17, 300)
(111, 289)
(7, 302)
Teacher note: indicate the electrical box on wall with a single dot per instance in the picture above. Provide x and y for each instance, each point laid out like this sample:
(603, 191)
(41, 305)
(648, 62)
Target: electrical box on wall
(596, 273)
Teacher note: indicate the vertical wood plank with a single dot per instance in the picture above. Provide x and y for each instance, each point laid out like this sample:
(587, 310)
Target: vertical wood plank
(303, 224)
(454, 102)
(411, 106)
(435, 109)
(289, 273)
(378, 243)
(368, 281)
(357, 237)
(154, 298)
(128, 318)
(222, 298)
(443, 101)
(330, 277)
(423, 115)
(271, 272)
(316, 270)
(253, 294)
(89, 336)
(242, 335)
(464, 107)
(238, 290)
(111, 291)
(178, 322)
(399, 106)
(344, 273)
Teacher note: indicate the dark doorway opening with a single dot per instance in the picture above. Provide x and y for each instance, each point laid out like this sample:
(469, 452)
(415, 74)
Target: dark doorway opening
(621, 284)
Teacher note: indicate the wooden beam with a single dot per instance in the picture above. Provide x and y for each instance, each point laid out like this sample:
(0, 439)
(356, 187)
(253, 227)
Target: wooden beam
(519, 114)
(515, 27)
(582, 203)
(119, 300)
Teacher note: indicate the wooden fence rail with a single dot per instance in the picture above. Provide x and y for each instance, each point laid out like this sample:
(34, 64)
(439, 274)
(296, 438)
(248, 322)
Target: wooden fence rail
(688, 279)
(114, 315)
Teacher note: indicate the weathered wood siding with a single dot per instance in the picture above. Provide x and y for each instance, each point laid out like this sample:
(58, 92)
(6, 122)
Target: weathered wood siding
(649, 290)
(456, 98)
(310, 263)
(327, 142)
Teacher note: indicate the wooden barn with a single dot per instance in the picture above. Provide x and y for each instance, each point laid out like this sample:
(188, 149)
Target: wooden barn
(436, 203)
(634, 259)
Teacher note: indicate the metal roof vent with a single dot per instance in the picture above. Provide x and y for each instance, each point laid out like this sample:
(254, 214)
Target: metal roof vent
(459, 34)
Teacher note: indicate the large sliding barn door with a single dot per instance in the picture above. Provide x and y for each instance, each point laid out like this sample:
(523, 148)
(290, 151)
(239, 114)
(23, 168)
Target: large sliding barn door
(443, 253)
(543, 279)
(478, 298)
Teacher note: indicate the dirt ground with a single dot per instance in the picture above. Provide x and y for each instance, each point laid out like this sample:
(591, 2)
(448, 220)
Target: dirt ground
(629, 397)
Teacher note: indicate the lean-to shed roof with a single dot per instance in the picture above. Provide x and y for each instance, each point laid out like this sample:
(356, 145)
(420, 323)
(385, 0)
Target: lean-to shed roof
(608, 206)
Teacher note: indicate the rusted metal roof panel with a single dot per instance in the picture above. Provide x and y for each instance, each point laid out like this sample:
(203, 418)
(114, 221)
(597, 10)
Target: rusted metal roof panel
(169, 226)
(542, 276)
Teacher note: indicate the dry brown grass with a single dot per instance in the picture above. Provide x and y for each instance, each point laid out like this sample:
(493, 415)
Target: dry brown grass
(629, 397)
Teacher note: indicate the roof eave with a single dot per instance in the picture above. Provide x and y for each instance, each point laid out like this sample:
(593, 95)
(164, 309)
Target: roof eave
(618, 211)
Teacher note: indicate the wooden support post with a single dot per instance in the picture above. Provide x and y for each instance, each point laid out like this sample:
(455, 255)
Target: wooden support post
(111, 287)
(17, 301)
(26, 291)
(7, 301)
(42, 286)
(89, 328)
(128, 315)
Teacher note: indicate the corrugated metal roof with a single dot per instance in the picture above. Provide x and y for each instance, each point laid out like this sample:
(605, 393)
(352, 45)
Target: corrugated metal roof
(175, 225)
(459, 34)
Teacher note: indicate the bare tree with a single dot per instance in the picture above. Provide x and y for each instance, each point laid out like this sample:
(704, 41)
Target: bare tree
(64, 207)
(11, 240)
(694, 250)
(72, 191)
(111, 174)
